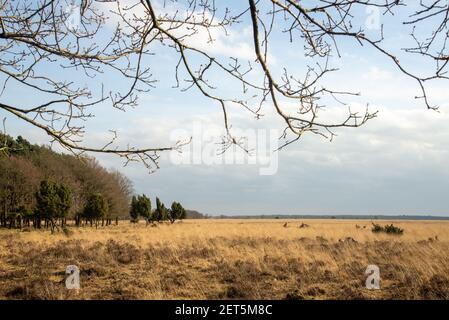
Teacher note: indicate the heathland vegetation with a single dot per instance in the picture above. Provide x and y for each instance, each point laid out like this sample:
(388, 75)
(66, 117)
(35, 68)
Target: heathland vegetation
(228, 259)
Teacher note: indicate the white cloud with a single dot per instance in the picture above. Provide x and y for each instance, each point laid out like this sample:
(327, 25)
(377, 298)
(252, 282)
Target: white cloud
(214, 41)
(376, 73)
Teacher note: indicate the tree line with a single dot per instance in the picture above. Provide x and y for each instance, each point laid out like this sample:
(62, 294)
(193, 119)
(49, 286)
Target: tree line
(41, 188)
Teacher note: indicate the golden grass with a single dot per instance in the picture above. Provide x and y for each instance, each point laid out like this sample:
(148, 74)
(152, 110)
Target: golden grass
(229, 259)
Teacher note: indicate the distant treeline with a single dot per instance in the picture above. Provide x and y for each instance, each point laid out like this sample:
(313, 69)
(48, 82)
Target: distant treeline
(192, 214)
(38, 184)
(43, 188)
(347, 217)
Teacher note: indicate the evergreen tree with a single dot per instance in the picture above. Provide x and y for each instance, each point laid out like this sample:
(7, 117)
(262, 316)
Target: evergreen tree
(65, 202)
(134, 212)
(140, 207)
(160, 213)
(96, 208)
(176, 212)
(53, 201)
(144, 205)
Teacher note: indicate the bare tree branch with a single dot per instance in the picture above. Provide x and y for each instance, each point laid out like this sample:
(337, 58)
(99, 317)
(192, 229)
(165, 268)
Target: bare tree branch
(37, 38)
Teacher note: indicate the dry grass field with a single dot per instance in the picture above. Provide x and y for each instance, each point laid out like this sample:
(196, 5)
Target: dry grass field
(228, 259)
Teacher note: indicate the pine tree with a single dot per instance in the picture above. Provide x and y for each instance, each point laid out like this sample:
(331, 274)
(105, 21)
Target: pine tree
(53, 201)
(144, 205)
(160, 213)
(96, 208)
(176, 212)
(134, 211)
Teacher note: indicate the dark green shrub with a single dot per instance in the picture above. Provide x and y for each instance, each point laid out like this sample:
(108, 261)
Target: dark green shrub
(389, 229)
(377, 228)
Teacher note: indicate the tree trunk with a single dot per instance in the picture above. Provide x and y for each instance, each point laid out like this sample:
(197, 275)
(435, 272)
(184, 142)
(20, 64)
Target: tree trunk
(5, 211)
(53, 225)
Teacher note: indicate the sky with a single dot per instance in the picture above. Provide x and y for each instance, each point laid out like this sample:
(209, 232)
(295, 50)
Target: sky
(395, 164)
